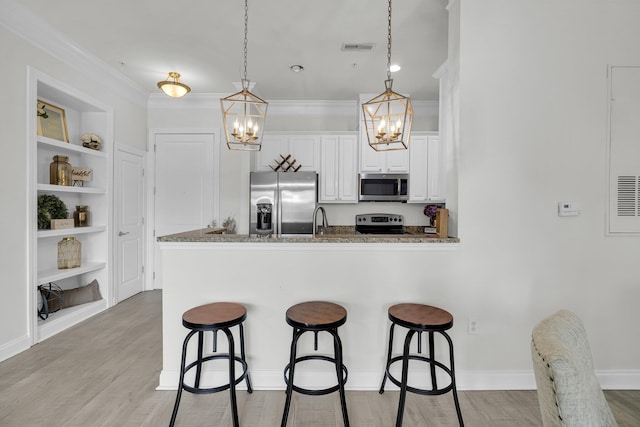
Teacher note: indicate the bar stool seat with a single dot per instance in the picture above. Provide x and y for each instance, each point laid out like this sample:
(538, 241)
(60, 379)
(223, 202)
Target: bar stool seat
(316, 316)
(419, 318)
(214, 317)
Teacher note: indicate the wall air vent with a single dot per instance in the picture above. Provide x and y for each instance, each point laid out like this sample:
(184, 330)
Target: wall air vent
(628, 195)
(359, 47)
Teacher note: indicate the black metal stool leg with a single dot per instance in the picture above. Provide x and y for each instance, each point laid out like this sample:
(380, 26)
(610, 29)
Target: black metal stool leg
(386, 366)
(292, 365)
(232, 377)
(432, 358)
(247, 379)
(453, 379)
(182, 365)
(405, 375)
(199, 365)
(337, 351)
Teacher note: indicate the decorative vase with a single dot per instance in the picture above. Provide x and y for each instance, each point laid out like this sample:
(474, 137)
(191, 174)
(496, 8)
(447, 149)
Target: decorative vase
(60, 171)
(69, 250)
(81, 216)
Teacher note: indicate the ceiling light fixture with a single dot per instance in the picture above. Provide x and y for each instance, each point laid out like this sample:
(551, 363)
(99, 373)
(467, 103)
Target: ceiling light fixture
(388, 116)
(243, 113)
(172, 86)
(296, 68)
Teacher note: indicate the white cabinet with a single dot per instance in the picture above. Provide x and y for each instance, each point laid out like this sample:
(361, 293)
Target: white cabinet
(304, 148)
(338, 168)
(83, 115)
(381, 161)
(426, 175)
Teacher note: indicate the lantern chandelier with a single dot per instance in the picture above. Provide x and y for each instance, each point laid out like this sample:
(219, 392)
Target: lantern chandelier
(244, 113)
(388, 116)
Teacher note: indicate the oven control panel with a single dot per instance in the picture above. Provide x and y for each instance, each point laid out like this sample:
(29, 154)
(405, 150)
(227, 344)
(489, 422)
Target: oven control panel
(380, 220)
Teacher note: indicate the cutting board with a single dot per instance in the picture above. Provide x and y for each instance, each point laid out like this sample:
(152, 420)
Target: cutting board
(442, 222)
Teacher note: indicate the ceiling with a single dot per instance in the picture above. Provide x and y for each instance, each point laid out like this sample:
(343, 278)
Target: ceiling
(203, 41)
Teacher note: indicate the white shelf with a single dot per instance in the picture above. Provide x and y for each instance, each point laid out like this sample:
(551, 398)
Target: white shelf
(63, 319)
(53, 274)
(71, 148)
(69, 189)
(70, 231)
(84, 114)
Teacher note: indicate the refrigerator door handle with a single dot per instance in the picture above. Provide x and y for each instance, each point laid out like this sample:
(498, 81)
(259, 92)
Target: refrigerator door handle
(278, 202)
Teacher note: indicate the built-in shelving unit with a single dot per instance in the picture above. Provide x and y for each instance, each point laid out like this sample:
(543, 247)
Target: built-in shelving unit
(83, 115)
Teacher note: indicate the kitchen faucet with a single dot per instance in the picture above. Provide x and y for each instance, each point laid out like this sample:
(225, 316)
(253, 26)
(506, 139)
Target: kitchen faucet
(325, 224)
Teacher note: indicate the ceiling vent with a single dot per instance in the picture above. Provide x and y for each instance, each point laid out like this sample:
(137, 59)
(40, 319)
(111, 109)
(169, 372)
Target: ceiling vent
(353, 47)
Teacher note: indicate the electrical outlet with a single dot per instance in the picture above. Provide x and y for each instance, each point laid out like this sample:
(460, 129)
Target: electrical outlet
(473, 327)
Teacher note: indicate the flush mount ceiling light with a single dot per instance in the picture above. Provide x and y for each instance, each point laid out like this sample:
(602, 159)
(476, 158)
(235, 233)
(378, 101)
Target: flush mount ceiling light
(172, 86)
(296, 68)
(244, 113)
(388, 116)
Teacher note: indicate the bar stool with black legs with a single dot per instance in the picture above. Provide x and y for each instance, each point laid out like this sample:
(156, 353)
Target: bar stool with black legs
(214, 317)
(316, 316)
(419, 318)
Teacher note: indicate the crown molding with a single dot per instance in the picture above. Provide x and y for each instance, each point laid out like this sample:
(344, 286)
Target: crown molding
(316, 108)
(313, 108)
(191, 100)
(39, 33)
(275, 108)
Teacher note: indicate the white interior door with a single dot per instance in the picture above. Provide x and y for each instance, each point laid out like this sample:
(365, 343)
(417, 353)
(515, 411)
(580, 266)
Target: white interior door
(184, 186)
(129, 208)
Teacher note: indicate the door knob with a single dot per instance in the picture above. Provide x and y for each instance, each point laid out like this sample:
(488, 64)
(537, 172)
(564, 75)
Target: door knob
(123, 234)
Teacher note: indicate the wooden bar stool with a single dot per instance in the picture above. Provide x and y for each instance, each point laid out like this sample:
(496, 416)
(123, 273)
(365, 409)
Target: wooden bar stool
(420, 318)
(316, 316)
(218, 316)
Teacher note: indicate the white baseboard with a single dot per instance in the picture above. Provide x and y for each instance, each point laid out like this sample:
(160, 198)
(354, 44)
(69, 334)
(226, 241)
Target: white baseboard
(14, 347)
(619, 380)
(368, 381)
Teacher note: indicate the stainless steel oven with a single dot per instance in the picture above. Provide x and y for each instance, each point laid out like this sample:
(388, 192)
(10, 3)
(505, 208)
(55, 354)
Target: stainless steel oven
(379, 223)
(383, 187)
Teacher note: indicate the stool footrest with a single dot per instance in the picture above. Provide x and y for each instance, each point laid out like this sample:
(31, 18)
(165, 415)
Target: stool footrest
(318, 392)
(223, 387)
(416, 390)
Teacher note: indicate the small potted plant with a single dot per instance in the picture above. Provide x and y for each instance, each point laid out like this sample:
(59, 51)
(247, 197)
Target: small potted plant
(430, 211)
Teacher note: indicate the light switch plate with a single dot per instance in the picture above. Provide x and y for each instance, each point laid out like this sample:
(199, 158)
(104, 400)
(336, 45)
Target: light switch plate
(569, 209)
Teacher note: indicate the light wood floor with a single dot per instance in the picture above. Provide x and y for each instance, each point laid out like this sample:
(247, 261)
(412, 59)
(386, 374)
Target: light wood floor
(104, 371)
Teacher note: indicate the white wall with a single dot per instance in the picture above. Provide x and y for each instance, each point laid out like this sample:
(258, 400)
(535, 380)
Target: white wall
(533, 86)
(130, 129)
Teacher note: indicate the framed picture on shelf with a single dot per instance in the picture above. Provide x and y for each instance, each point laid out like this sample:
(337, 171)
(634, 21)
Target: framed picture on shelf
(52, 122)
(81, 175)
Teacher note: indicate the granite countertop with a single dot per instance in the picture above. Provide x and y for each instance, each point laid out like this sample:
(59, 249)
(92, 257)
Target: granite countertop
(333, 234)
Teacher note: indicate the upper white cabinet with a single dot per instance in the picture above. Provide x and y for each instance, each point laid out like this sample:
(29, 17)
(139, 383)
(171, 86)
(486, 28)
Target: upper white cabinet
(339, 168)
(381, 161)
(426, 179)
(303, 148)
(83, 115)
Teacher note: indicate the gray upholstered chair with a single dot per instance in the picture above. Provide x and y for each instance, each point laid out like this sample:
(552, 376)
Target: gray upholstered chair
(568, 391)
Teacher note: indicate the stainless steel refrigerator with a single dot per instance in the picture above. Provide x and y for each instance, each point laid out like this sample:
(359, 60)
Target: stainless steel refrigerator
(282, 202)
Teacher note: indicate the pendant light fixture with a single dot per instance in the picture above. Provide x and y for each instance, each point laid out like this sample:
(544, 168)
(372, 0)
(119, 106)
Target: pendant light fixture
(388, 116)
(172, 86)
(244, 113)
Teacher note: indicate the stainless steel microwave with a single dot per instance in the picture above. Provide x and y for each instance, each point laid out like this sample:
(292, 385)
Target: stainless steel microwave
(383, 187)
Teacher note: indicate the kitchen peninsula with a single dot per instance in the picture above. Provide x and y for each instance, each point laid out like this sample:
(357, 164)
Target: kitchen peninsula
(365, 274)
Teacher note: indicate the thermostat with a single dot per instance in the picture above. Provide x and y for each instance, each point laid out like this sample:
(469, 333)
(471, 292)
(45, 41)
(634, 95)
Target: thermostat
(569, 209)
